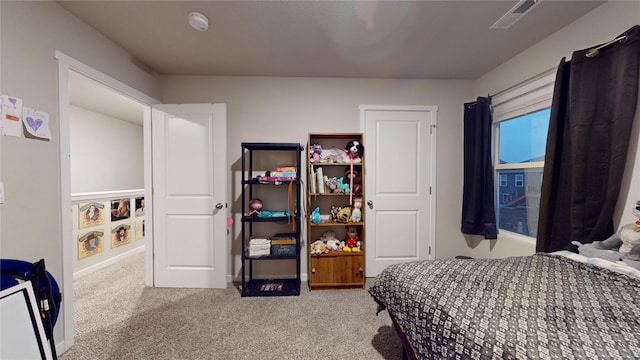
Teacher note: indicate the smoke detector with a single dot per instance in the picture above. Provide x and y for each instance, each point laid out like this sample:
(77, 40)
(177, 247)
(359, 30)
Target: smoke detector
(198, 21)
(516, 13)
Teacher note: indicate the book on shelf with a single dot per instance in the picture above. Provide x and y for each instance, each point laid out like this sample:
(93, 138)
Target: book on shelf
(312, 181)
(320, 180)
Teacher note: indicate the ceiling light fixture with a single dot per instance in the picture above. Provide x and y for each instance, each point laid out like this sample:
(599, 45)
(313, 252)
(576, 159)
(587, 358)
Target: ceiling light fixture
(198, 21)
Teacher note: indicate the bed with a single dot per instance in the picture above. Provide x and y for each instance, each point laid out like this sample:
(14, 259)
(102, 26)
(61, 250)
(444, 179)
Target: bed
(544, 306)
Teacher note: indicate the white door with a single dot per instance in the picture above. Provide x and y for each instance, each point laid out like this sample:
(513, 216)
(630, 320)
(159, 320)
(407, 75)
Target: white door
(399, 183)
(189, 144)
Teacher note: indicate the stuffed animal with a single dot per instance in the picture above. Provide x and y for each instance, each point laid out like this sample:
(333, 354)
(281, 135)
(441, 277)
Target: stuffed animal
(344, 188)
(353, 177)
(332, 243)
(356, 213)
(588, 250)
(626, 240)
(333, 185)
(315, 216)
(334, 213)
(344, 214)
(315, 153)
(318, 247)
(351, 238)
(255, 206)
(355, 150)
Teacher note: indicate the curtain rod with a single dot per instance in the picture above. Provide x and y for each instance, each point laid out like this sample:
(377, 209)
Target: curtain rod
(590, 53)
(594, 51)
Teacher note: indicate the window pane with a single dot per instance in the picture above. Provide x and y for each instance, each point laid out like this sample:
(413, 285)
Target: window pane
(523, 139)
(518, 206)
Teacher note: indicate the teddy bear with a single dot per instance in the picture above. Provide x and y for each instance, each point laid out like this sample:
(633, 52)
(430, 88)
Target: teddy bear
(626, 240)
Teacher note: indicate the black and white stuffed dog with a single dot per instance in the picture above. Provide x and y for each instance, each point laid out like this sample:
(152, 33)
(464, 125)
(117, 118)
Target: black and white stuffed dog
(354, 149)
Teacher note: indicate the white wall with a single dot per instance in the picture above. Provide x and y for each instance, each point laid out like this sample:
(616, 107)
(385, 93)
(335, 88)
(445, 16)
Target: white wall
(30, 226)
(106, 157)
(106, 153)
(287, 109)
(599, 26)
(267, 109)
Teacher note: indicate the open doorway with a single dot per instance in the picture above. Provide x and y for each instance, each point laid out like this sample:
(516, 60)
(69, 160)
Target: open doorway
(103, 88)
(106, 174)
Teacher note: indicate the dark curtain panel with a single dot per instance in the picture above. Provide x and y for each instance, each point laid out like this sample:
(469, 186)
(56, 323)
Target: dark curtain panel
(478, 211)
(593, 107)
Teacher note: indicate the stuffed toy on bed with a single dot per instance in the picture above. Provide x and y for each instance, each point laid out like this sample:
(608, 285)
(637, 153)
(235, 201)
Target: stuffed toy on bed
(622, 246)
(626, 240)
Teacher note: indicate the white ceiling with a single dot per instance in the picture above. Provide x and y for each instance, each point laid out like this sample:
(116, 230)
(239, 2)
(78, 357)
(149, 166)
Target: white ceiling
(355, 39)
(91, 95)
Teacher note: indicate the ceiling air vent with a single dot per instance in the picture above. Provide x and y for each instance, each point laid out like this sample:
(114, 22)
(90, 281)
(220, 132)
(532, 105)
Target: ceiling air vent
(515, 14)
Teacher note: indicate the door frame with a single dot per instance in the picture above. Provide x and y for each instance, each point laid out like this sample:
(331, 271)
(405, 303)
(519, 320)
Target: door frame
(65, 65)
(432, 155)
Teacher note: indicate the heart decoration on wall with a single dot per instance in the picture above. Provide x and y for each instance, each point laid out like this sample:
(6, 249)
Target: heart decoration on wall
(34, 123)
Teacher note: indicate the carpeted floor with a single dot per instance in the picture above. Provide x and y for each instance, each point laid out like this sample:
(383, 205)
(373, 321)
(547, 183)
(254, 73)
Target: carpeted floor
(117, 317)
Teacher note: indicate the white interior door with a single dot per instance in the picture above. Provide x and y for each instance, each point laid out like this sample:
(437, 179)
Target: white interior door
(399, 183)
(189, 191)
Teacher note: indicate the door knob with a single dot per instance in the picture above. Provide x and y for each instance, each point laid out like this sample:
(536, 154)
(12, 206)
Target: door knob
(219, 206)
(370, 203)
(313, 270)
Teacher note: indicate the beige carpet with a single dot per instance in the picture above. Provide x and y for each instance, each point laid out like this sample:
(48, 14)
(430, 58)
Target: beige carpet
(117, 317)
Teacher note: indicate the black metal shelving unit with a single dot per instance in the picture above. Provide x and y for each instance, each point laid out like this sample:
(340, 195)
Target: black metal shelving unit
(252, 286)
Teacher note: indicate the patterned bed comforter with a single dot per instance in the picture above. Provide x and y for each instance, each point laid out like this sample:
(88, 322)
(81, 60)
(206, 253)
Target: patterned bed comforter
(536, 307)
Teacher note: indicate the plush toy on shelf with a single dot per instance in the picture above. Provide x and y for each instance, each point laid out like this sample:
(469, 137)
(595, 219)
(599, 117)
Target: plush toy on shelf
(318, 247)
(331, 242)
(315, 216)
(315, 153)
(356, 213)
(351, 239)
(344, 214)
(333, 185)
(255, 206)
(344, 188)
(354, 150)
(353, 176)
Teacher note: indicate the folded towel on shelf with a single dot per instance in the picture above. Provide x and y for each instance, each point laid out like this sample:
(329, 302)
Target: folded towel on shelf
(259, 242)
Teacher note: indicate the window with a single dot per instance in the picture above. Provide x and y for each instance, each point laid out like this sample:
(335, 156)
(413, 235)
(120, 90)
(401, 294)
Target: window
(521, 121)
(520, 179)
